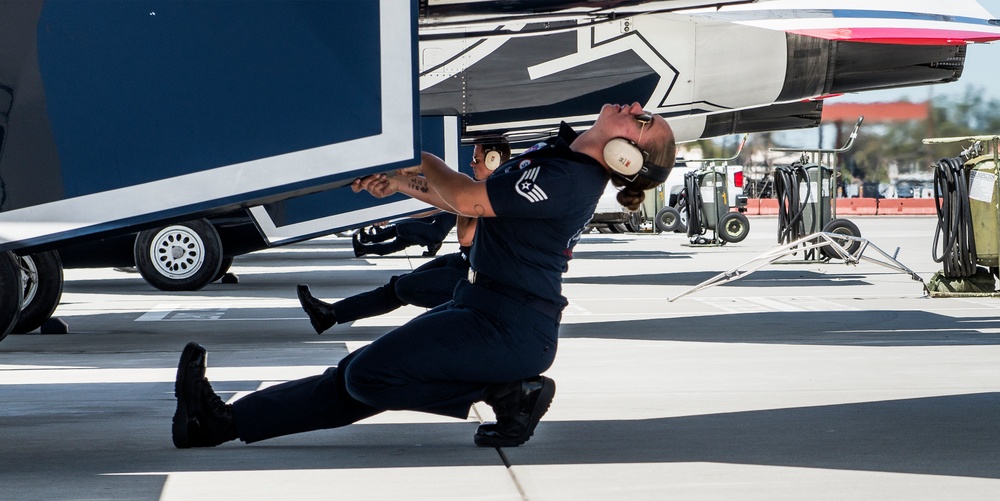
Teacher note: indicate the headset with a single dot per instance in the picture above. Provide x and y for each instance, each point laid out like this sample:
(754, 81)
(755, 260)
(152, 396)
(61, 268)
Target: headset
(627, 159)
(491, 158)
(624, 157)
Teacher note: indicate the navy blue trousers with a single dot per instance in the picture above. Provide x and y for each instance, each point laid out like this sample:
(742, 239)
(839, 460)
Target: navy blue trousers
(440, 362)
(428, 230)
(430, 285)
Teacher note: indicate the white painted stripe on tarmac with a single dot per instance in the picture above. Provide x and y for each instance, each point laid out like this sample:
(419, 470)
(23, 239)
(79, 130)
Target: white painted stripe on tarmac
(159, 312)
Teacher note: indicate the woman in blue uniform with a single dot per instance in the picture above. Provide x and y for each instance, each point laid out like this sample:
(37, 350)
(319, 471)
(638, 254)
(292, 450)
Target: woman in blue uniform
(431, 284)
(497, 335)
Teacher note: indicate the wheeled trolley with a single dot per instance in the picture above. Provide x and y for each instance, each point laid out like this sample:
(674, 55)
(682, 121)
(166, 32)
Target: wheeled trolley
(706, 203)
(807, 199)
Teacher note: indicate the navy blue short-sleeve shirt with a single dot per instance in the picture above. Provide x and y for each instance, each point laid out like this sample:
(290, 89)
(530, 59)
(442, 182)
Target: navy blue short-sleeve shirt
(543, 199)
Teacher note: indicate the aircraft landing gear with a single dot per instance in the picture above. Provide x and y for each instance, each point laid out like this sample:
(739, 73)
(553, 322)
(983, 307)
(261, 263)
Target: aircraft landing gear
(181, 257)
(42, 279)
(11, 292)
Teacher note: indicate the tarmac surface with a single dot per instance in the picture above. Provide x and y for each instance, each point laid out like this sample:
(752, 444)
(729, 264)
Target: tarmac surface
(803, 380)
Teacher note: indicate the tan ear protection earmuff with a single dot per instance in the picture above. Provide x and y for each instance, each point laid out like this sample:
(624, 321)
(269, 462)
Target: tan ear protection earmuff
(491, 159)
(623, 156)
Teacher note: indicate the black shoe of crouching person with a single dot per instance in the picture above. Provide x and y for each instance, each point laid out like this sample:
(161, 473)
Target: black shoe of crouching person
(321, 314)
(432, 250)
(360, 249)
(202, 419)
(519, 406)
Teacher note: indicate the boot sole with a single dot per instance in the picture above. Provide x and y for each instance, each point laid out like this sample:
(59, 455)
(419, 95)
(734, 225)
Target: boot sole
(541, 407)
(179, 428)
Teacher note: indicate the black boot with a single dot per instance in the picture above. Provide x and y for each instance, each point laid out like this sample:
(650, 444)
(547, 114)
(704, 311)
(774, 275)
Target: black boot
(519, 406)
(321, 315)
(359, 248)
(202, 419)
(381, 234)
(432, 250)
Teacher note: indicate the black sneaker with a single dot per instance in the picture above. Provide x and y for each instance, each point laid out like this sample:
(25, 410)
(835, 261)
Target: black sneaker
(202, 419)
(519, 406)
(321, 315)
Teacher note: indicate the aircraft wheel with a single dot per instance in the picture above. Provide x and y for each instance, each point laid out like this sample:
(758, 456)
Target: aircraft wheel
(735, 227)
(42, 279)
(11, 292)
(667, 219)
(223, 268)
(180, 257)
(841, 227)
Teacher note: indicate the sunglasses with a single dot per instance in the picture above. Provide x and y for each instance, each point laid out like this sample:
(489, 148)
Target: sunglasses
(644, 119)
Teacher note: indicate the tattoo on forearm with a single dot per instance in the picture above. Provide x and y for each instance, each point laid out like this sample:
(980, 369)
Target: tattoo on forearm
(418, 184)
(480, 210)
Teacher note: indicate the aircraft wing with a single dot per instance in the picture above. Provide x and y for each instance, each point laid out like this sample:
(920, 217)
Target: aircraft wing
(122, 114)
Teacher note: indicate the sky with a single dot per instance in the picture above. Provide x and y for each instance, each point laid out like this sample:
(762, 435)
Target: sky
(982, 70)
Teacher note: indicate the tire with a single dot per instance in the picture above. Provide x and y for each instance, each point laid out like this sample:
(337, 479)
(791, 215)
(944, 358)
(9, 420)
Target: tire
(42, 275)
(634, 221)
(841, 227)
(735, 227)
(667, 219)
(11, 292)
(682, 209)
(617, 228)
(223, 268)
(181, 257)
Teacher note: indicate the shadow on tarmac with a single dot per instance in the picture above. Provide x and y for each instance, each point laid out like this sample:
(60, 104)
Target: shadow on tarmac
(951, 435)
(762, 278)
(835, 328)
(630, 254)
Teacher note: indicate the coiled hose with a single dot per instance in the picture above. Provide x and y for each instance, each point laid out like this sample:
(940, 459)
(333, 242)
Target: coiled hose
(954, 225)
(787, 180)
(694, 204)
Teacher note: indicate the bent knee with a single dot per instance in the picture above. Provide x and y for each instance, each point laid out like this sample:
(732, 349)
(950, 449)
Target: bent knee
(370, 387)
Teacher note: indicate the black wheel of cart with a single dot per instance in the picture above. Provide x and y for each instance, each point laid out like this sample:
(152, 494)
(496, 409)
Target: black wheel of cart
(735, 227)
(634, 221)
(667, 219)
(841, 227)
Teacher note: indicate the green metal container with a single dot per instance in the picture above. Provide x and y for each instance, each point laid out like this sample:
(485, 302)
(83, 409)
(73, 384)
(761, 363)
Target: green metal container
(984, 209)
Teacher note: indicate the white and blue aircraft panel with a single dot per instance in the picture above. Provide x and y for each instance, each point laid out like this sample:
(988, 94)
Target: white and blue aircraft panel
(323, 213)
(159, 110)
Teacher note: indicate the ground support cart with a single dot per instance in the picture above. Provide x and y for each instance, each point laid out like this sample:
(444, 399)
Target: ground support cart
(709, 205)
(807, 199)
